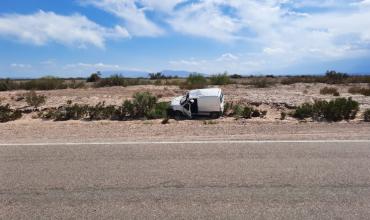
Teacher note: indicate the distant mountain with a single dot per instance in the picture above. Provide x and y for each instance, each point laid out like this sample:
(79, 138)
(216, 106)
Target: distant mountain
(179, 73)
(134, 74)
(125, 73)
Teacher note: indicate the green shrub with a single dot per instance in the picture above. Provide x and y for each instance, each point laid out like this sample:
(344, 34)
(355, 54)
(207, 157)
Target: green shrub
(241, 111)
(260, 83)
(118, 80)
(228, 108)
(158, 75)
(126, 111)
(45, 83)
(367, 115)
(8, 114)
(248, 112)
(333, 77)
(94, 77)
(236, 76)
(359, 90)
(335, 110)
(35, 100)
(289, 80)
(220, 79)
(329, 91)
(101, 112)
(194, 81)
(74, 84)
(237, 111)
(114, 80)
(304, 111)
(159, 111)
(143, 103)
(67, 112)
(7, 85)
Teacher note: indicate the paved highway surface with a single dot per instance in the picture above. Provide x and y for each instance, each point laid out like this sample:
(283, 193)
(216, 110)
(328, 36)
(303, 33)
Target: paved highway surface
(251, 180)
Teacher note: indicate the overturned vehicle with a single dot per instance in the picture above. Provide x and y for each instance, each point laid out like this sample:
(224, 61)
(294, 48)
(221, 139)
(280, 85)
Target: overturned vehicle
(199, 102)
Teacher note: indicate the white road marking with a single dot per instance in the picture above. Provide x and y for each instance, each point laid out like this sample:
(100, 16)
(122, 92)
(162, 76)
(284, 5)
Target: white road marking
(185, 142)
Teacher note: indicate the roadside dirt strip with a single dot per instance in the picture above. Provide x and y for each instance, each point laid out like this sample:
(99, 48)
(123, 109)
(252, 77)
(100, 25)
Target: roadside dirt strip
(186, 180)
(154, 131)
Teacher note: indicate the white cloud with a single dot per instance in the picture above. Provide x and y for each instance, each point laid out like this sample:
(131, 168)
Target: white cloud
(206, 20)
(93, 66)
(135, 19)
(162, 5)
(43, 27)
(280, 32)
(228, 57)
(20, 66)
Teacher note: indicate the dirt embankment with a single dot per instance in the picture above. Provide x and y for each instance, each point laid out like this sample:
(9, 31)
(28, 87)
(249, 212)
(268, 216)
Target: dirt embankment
(225, 129)
(274, 99)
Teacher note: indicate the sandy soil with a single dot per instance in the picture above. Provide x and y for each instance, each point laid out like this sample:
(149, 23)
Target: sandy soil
(225, 128)
(274, 99)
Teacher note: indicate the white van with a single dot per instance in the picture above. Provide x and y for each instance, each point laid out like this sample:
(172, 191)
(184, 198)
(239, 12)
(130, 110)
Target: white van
(199, 102)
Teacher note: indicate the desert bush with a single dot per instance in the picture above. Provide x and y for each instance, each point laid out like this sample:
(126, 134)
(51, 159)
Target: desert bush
(194, 81)
(289, 80)
(143, 103)
(367, 115)
(242, 111)
(247, 112)
(236, 76)
(7, 85)
(158, 75)
(359, 90)
(158, 82)
(45, 83)
(260, 83)
(237, 111)
(159, 111)
(118, 80)
(74, 84)
(66, 112)
(329, 91)
(333, 77)
(126, 110)
(35, 100)
(228, 108)
(304, 111)
(101, 112)
(358, 79)
(334, 110)
(220, 79)
(94, 77)
(8, 114)
(114, 80)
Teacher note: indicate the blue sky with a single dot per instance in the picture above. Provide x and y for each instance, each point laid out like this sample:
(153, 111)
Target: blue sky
(77, 37)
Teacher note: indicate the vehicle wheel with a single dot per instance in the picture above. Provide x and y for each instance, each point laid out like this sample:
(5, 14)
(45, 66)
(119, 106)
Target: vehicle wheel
(178, 116)
(215, 115)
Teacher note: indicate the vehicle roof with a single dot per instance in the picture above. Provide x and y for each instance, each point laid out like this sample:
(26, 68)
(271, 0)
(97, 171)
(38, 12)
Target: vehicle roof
(204, 92)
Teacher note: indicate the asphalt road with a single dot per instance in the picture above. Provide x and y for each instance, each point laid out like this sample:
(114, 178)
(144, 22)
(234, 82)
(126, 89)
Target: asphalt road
(260, 180)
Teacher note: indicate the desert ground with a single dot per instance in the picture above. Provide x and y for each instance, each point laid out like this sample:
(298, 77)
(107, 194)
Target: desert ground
(274, 99)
